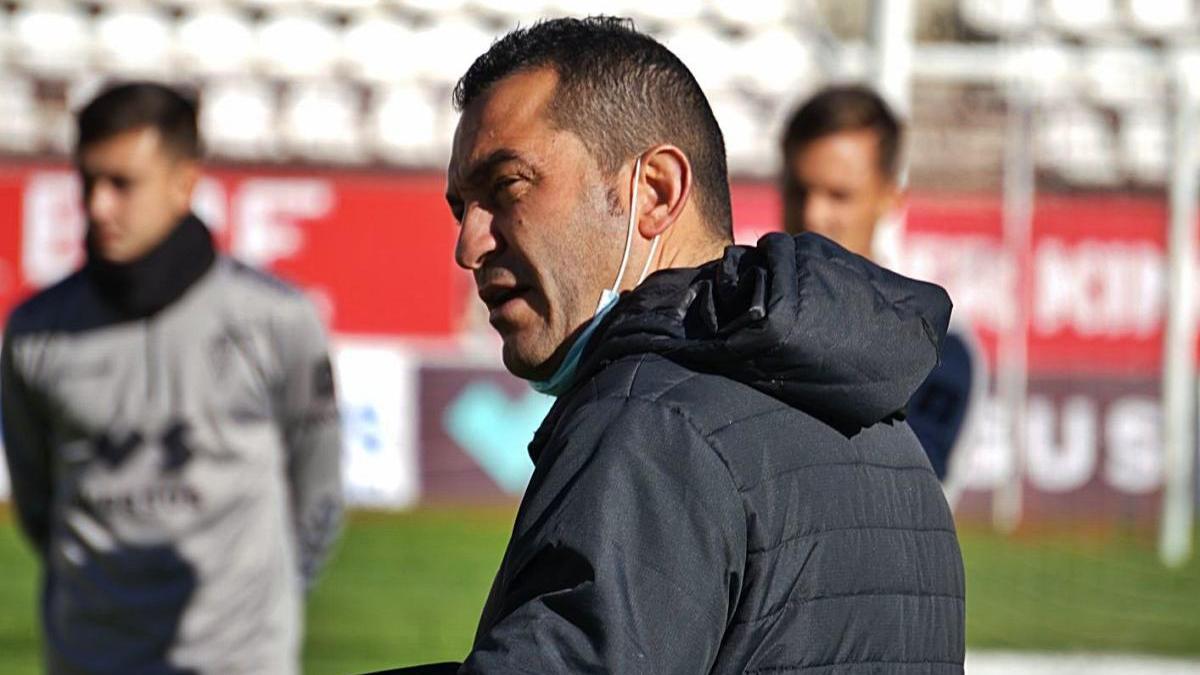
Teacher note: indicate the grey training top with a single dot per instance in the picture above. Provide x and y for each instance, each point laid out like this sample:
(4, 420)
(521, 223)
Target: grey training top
(178, 474)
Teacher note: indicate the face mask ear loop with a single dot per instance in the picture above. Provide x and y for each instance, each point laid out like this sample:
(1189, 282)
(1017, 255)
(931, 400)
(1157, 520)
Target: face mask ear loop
(649, 257)
(637, 174)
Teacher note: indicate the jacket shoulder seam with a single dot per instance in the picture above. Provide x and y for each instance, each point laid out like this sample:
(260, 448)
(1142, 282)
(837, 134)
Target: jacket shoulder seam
(850, 528)
(826, 465)
(796, 667)
(683, 414)
(838, 597)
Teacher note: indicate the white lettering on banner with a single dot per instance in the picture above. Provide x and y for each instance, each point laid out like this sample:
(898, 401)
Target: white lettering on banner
(1099, 288)
(986, 461)
(52, 227)
(1061, 462)
(1063, 449)
(1094, 288)
(378, 401)
(1133, 435)
(267, 211)
(979, 274)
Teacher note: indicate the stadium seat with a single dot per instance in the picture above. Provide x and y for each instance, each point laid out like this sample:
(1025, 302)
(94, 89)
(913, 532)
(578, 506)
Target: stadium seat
(237, 119)
(1163, 18)
(266, 5)
(295, 44)
(378, 47)
(447, 124)
(134, 41)
(402, 125)
(587, 7)
(708, 54)
(1187, 62)
(1123, 75)
(1145, 144)
(19, 114)
(216, 41)
(748, 15)
(1077, 142)
(85, 87)
(57, 123)
(345, 5)
(667, 13)
(745, 143)
(1088, 19)
(432, 7)
(51, 39)
(319, 121)
(448, 47)
(1049, 68)
(776, 61)
(998, 17)
(510, 9)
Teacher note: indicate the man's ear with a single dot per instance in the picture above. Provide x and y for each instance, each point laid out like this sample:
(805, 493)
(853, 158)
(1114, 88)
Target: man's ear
(665, 189)
(184, 179)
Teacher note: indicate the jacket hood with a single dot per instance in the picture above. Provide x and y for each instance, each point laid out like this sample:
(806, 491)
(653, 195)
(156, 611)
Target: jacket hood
(798, 318)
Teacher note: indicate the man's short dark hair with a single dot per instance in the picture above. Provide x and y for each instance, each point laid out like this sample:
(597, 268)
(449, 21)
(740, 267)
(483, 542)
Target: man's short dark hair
(137, 105)
(620, 92)
(846, 108)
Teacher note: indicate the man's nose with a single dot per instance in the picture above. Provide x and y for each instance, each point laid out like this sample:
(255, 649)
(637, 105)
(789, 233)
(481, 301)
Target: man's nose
(477, 238)
(818, 215)
(101, 203)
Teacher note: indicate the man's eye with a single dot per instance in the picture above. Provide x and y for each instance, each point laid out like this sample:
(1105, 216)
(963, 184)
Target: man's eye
(505, 187)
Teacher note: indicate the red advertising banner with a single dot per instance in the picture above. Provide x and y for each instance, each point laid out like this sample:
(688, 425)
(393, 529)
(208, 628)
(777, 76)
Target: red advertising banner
(375, 251)
(1097, 274)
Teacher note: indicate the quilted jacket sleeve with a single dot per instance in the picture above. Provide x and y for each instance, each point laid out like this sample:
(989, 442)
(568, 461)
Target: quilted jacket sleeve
(627, 555)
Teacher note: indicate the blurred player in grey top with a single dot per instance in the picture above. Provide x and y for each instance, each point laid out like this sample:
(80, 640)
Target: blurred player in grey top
(169, 422)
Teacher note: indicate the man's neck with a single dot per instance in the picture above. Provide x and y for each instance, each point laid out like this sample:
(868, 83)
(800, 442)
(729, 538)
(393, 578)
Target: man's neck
(693, 255)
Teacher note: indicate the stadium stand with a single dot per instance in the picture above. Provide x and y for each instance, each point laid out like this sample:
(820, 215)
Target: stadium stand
(134, 41)
(297, 45)
(215, 41)
(238, 119)
(259, 63)
(320, 121)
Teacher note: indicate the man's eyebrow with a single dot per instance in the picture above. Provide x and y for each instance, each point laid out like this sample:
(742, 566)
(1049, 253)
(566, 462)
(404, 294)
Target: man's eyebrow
(478, 172)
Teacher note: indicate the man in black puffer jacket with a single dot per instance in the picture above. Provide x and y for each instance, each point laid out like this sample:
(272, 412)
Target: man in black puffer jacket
(726, 483)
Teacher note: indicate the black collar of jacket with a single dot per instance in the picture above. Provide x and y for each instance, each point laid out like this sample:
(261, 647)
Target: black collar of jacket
(798, 318)
(142, 288)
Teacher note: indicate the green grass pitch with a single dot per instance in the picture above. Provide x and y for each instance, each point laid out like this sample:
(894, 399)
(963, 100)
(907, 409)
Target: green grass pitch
(407, 588)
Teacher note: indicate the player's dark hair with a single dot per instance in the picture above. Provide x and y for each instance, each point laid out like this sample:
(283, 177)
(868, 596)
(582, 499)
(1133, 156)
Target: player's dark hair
(136, 105)
(846, 108)
(620, 92)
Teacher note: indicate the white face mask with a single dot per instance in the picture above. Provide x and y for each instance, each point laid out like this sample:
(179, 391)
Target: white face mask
(563, 377)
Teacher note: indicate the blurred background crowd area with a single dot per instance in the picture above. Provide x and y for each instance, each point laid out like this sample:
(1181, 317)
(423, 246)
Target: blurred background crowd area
(360, 82)
(1051, 146)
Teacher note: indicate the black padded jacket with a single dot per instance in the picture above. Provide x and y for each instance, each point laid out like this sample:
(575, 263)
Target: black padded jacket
(730, 486)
